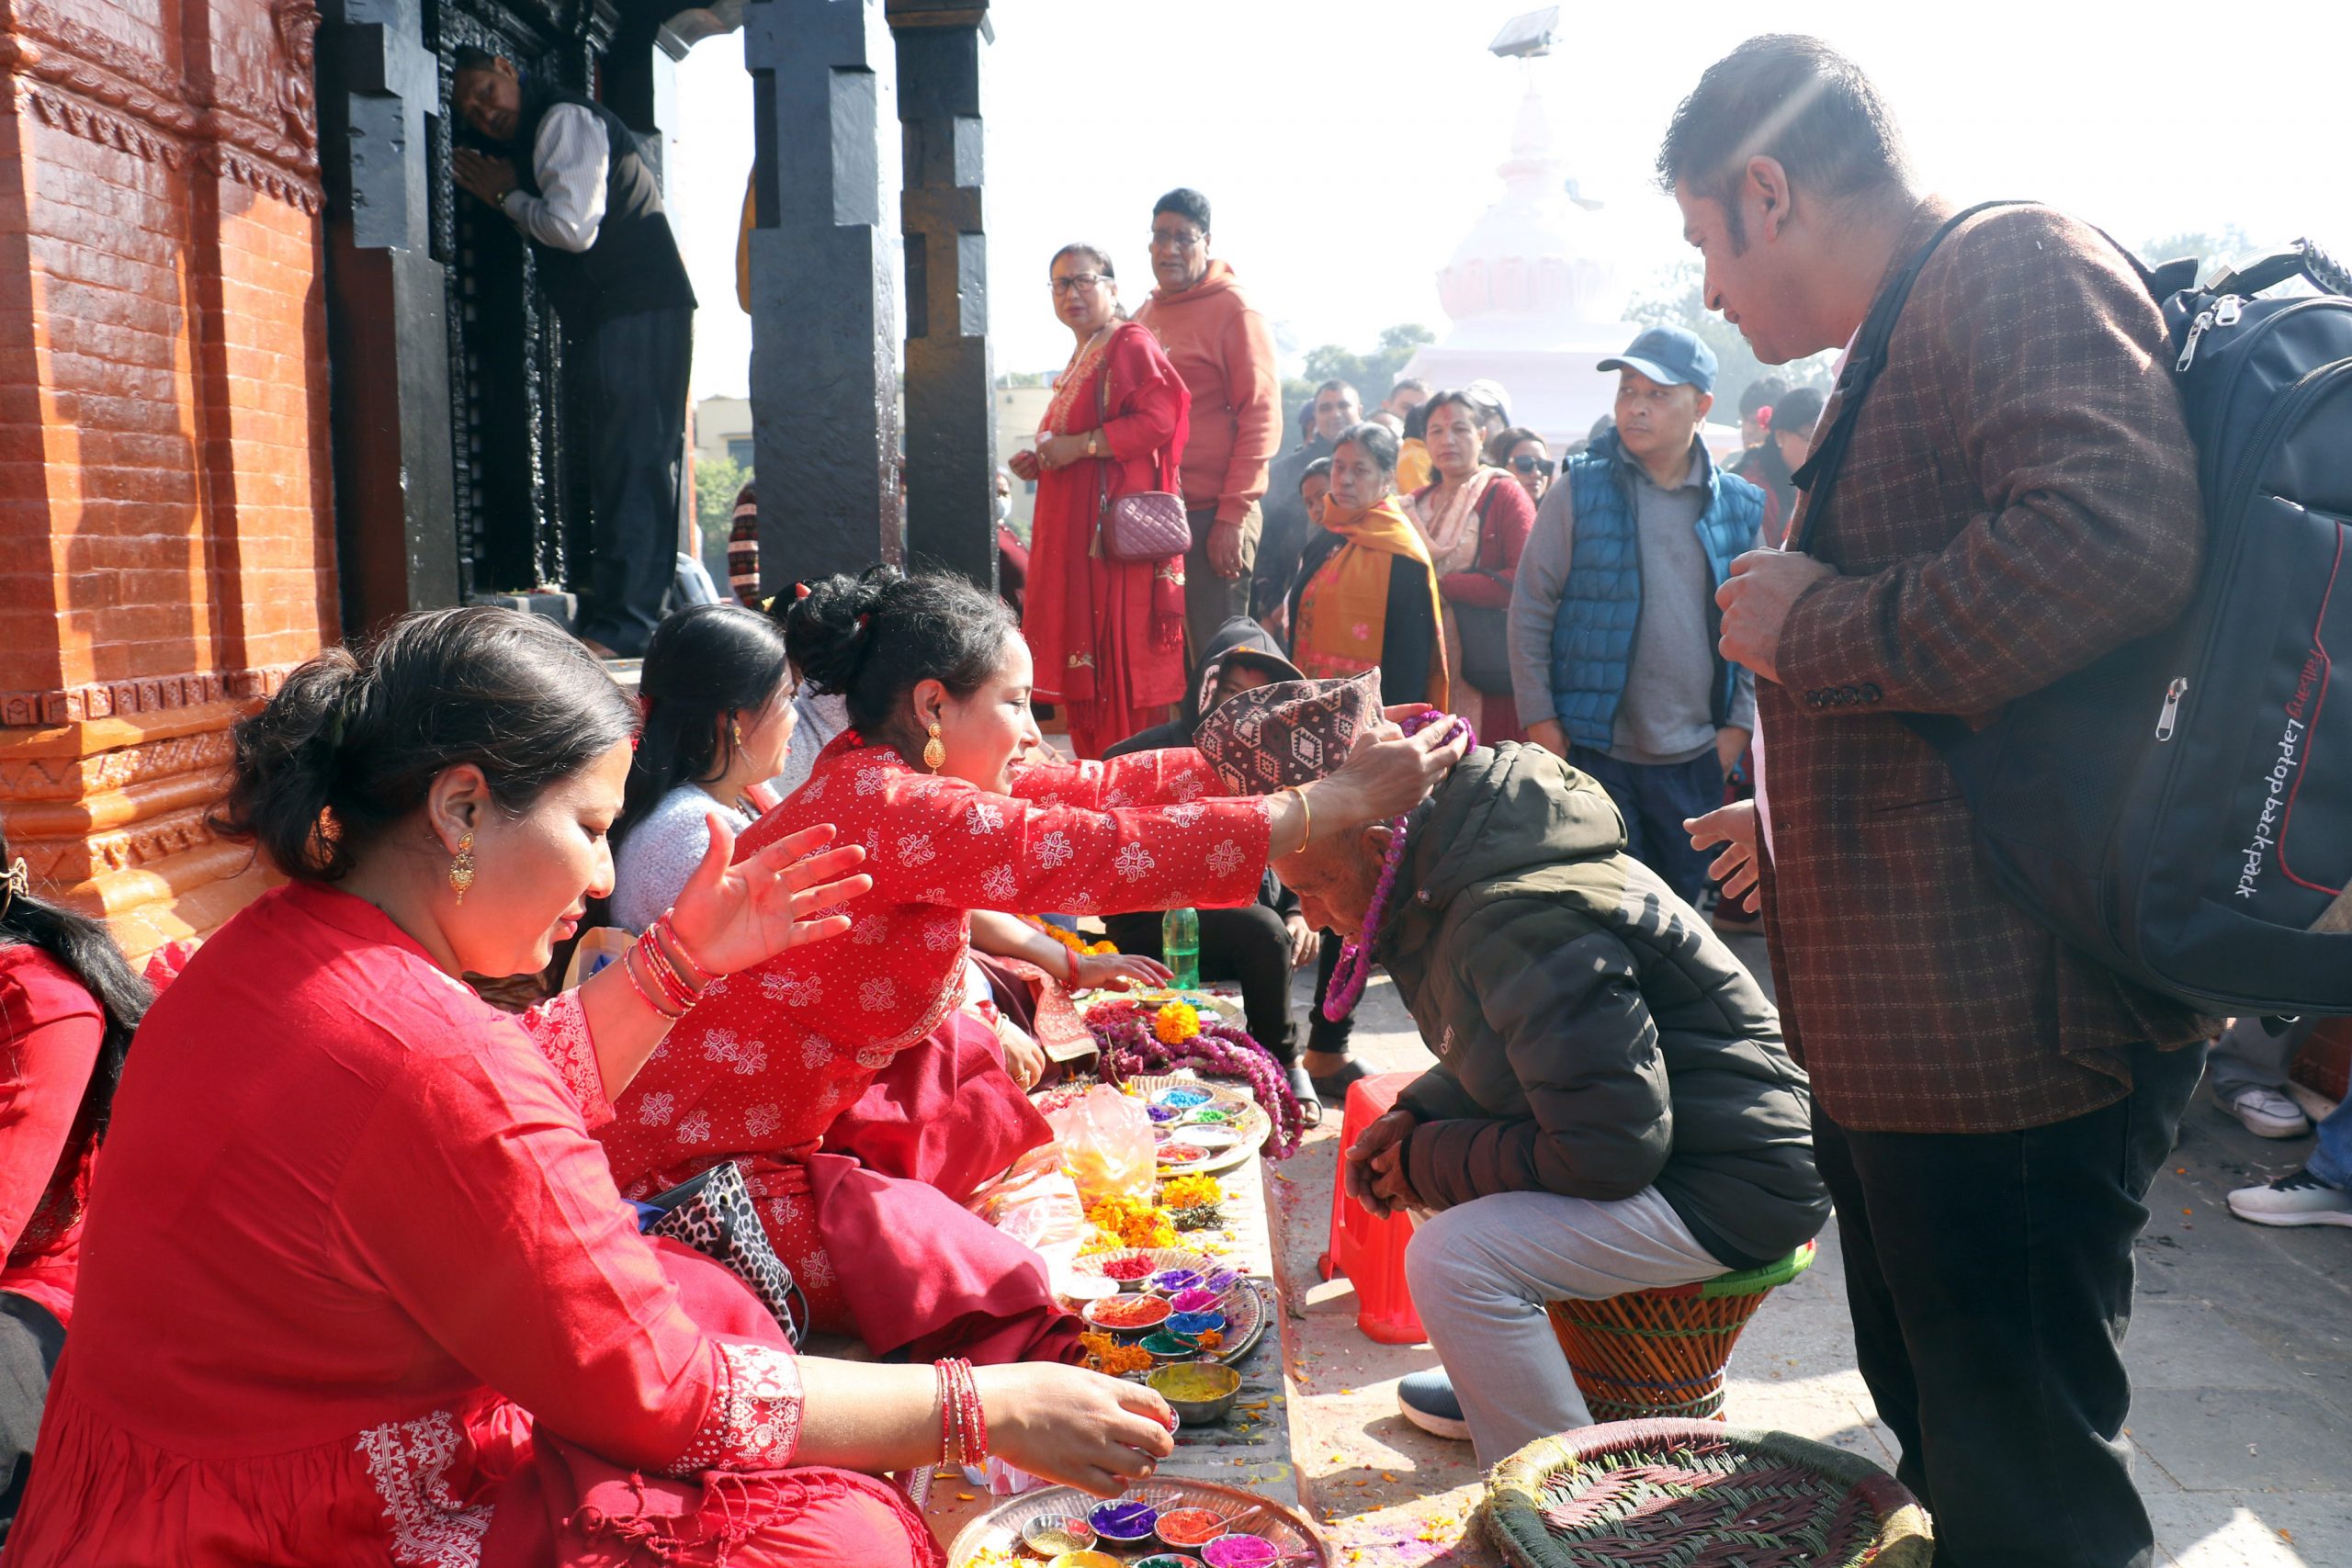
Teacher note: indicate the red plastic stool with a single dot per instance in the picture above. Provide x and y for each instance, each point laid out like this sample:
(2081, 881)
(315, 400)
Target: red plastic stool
(1372, 1252)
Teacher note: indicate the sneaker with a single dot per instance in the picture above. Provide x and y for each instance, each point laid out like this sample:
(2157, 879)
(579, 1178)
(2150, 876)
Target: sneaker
(2267, 1112)
(2301, 1198)
(1427, 1399)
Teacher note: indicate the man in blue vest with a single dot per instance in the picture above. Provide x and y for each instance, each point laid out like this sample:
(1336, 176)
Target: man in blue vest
(1613, 623)
(584, 196)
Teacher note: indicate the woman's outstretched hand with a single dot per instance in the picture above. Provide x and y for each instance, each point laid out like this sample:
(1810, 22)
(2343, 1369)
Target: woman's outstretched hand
(1078, 1427)
(730, 917)
(1103, 968)
(1389, 772)
(1734, 827)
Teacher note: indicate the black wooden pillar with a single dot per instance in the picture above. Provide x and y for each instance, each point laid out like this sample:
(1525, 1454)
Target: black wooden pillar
(951, 407)
(824, 318)
(388, 340)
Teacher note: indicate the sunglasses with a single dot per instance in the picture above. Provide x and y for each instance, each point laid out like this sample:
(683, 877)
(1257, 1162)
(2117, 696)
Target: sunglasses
(1526, 464)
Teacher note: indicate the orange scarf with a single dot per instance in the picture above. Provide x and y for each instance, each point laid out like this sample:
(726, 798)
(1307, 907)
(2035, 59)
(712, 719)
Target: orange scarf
(1344, 610)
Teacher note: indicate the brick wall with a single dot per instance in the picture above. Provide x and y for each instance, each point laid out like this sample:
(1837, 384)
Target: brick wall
(165, 525)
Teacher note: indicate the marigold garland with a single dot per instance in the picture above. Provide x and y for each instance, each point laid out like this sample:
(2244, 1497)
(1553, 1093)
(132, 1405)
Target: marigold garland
(1070, 939)
(1130, 1047)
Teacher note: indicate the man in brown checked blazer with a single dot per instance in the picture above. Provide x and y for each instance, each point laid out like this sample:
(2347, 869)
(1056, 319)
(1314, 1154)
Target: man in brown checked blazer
(2020, 498)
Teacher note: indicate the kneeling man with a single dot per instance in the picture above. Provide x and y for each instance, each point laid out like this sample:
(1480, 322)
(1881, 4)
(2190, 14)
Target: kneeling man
(1612, 1108)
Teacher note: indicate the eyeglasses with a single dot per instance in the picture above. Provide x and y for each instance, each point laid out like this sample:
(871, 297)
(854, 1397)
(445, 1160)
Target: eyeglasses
(1526, 464)
(1076, 281)
(1176, 238)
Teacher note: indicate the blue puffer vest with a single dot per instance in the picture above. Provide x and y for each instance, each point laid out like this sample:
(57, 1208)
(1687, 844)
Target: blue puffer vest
(1600, 607)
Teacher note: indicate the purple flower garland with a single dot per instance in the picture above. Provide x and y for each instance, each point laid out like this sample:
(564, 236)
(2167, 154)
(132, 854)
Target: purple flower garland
(1353, 970)
(1129, 1047)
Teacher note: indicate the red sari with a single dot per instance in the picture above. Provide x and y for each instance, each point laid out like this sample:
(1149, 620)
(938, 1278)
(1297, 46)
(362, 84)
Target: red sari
(1108, 636)
(771, 1057)
(355, 1262)
(51, 1028)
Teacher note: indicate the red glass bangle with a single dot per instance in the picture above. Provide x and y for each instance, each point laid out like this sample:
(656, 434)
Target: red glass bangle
(657, 964)
(677, 949)
(638, 986)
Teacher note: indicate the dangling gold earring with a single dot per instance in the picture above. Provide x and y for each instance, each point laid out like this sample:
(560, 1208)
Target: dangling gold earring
(735, 730)
(934, 750)
(461, 865)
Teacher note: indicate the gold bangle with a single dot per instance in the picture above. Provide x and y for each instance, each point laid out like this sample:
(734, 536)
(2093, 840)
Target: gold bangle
(1305, 812)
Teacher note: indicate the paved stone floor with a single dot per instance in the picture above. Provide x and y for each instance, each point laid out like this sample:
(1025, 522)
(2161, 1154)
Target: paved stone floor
(2241, 1356)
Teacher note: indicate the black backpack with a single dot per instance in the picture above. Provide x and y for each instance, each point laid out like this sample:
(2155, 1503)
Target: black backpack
(2181, 810)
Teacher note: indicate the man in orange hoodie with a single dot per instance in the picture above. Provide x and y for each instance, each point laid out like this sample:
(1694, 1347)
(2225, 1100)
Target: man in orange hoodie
(1221, 347)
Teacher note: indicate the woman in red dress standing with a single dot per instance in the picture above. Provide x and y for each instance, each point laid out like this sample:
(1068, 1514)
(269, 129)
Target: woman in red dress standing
(359, 1289)
(1107, 635)
(68, 1004)
(938, 682)
(1476, 518)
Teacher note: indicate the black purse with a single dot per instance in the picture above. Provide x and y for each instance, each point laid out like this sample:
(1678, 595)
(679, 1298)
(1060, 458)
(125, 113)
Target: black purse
(1486, 645)
(712, 1215)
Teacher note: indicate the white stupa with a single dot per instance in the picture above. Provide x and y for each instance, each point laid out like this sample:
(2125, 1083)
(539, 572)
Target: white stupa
(1533, 290)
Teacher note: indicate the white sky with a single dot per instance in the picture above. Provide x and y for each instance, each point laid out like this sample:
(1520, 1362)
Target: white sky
(1348, 144)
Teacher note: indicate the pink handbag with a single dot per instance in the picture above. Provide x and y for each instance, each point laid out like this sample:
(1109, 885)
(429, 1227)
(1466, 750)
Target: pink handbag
(1145, 524)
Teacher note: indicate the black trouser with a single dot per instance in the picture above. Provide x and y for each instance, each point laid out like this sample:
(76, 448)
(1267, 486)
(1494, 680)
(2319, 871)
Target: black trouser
(1250, 946)
(30, 1341)
(1322, 1034)
(643, 362)
(1990, 1275)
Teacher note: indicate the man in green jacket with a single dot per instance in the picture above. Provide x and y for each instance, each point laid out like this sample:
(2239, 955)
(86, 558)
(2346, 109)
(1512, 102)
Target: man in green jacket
(1611, 1107)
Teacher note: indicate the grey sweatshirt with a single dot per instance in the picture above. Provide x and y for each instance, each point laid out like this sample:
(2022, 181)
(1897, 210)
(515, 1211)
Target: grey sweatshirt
(1667, 712)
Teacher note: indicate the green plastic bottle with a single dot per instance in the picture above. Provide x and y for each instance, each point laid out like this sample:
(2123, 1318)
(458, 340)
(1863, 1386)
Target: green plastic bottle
(1179, 947)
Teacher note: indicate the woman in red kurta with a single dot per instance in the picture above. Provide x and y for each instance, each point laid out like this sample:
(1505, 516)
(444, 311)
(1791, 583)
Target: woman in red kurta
(1107, 635)
(1476, 518)
(775, 1055)
(359, 1289)
(68, 1004)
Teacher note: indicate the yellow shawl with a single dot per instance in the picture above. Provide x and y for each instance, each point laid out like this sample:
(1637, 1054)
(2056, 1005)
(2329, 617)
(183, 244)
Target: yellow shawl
(1343, 611)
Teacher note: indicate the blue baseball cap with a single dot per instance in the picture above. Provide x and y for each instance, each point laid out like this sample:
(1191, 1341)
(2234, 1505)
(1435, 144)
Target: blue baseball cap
(1669, 356)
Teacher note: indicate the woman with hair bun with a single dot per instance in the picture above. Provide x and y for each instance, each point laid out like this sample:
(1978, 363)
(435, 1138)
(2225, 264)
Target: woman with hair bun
(1107, 635)
(359, 1289)
(938, 682)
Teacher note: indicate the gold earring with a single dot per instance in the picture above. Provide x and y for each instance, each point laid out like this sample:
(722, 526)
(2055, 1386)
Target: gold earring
(735, 728)
(934, 750)
(461, 865)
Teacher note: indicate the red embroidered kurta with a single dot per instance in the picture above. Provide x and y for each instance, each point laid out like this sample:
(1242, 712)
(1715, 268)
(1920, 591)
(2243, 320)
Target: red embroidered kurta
(771, 1056)
(359, 1291)
(50, 1027)
(1108, 636)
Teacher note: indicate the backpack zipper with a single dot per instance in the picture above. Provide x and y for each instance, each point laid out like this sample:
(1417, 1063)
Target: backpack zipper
(2167, 720)
(2224, 312)
(2282, 416)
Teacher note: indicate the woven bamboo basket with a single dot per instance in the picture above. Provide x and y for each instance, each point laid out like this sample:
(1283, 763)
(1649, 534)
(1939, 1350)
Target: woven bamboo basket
(1698, 1494)
(1662, 1353)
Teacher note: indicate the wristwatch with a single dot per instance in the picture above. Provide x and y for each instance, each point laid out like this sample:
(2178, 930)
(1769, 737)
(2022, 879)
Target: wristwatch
(1094, 442)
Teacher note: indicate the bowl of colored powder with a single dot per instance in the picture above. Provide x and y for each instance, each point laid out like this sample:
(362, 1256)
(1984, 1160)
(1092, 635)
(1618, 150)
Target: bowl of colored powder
(1188, 1527)
(1192, 1324)
(1181, 1098)
(1164, 1346)
(1182, 1153)
(1199, 1299)
(1240, 1552)
(1127, 1313)
(1056, 1534)
(1124, 1524)
(1162, 1112)
(1130, 1271)
(1169, 1282)
(1198, 1392)
(1168, 1560)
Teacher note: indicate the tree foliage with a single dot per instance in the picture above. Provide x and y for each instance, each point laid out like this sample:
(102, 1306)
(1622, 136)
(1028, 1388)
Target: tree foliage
(1370, 374)
(716, 481)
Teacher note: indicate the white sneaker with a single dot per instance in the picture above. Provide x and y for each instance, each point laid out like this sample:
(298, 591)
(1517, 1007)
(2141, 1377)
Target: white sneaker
(2301, 1198)
(2267, 1112)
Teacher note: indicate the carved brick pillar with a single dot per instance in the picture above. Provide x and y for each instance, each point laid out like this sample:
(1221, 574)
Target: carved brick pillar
(950, 406)
(824, 317)
(166, 547)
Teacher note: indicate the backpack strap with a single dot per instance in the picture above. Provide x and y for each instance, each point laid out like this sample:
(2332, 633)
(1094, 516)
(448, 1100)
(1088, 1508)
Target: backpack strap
(1819, 471)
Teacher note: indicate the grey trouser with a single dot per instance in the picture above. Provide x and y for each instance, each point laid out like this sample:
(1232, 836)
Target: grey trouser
(1481, 1272)
(1210, 600)
(2249, 1056)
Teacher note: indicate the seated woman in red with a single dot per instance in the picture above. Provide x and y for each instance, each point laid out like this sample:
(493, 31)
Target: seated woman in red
(359, 1289)
(937, 683)
(68, 1004)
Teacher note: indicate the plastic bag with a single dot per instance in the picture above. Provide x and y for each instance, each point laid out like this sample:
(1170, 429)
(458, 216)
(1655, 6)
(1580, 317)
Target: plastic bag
(1106, 1138)
(1036, 1204)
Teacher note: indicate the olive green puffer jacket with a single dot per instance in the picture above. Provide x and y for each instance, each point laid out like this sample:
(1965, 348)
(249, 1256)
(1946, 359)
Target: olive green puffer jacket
(1594, 1036)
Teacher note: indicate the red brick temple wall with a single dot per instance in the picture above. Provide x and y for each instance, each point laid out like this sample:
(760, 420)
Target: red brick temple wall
(166, 535)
